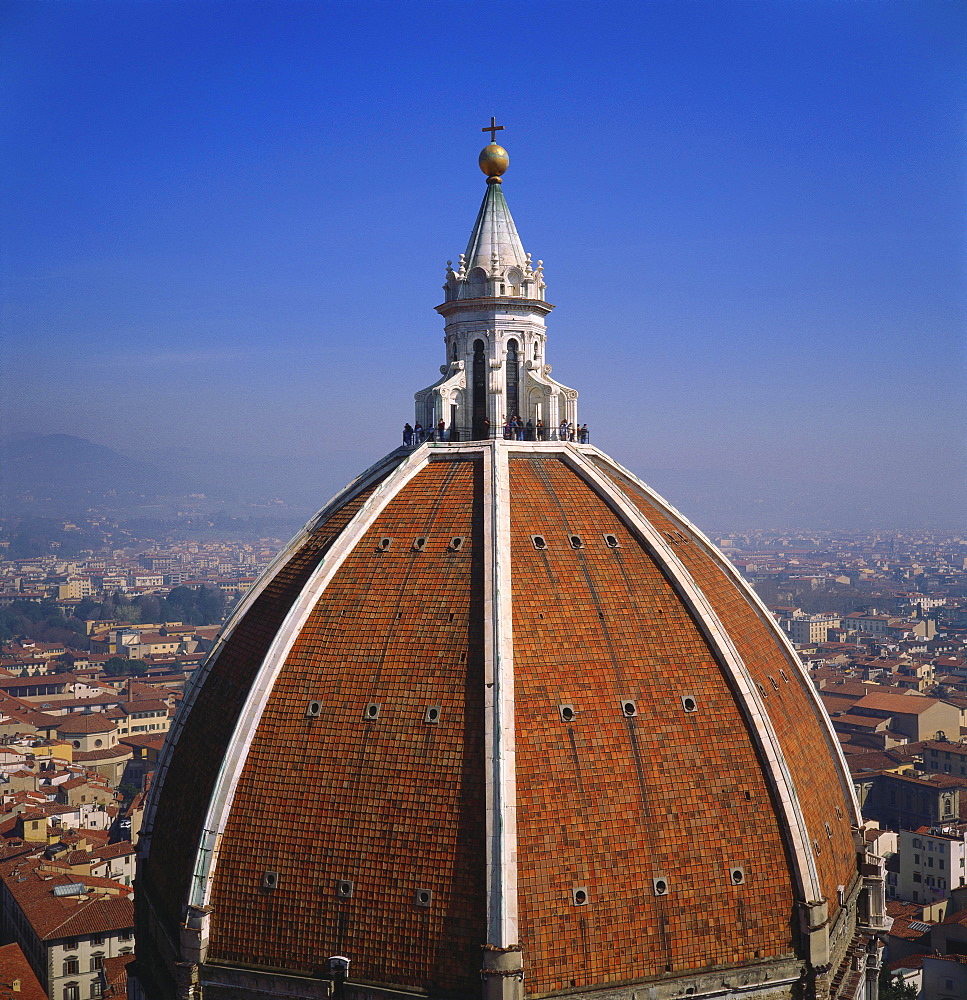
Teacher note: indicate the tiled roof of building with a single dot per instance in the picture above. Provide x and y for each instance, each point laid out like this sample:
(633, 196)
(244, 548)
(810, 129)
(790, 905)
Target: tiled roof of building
(78, 724)
(944, 746)
(908, 962)
(910, 928)
(117, 850)
(874, 760)
(98, 756)
(18, 682)
(864, 722)
(897, 704)
(106, 909)
(146, 705)
(17, 979)
(143, 742)
(115, 973)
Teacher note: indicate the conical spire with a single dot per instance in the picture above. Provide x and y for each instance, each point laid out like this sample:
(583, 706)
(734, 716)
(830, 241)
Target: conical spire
(494, 240)
(495, 265)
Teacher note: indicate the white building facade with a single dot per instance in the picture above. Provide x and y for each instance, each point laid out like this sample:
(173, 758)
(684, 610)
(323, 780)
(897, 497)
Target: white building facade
(931, 863)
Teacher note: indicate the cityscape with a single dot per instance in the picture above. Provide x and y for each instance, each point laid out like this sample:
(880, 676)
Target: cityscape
(98, 646)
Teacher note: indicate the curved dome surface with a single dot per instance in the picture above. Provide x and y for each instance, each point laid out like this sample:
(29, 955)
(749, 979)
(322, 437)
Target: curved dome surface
(499, 707)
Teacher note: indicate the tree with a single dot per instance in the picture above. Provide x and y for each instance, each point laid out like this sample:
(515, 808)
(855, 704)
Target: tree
(85, 610)
(149, 608)
(202, 606)
(894, 988)
(118, 666)
(128, 790)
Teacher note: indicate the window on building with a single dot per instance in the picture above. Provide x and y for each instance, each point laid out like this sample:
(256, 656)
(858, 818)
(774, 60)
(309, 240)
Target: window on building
(126, 934)
(72, 992)
(916, 877)
(916, 859)
(97, 961)
(97, 940)
(95, 987)
(71, 966)
(70, 944)
(930, 862)
(941, 864)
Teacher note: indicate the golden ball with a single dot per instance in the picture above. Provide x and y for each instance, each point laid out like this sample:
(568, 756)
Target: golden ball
(493, 160)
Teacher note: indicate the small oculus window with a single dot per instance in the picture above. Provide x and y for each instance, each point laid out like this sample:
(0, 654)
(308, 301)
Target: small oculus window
(689, 703)
(612, 541)
(660, 885)
(579, 895)
(313, 709)
(270, 880)
(628, 708)
(567, 713)
(737, 875)
(371, 711)
(456, 543)
(384, 544)
(419, 544)
(423, 897)
(540, 542)
(576, 541)
(432, 715)
(344, 889)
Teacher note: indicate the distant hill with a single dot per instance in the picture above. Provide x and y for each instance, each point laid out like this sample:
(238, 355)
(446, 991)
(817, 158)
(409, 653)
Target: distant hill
(61, 467)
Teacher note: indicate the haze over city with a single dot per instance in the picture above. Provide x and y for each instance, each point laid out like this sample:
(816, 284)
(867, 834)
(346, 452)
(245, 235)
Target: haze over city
(226, 225)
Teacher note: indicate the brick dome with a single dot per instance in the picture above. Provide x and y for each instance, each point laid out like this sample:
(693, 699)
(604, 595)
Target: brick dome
(512, 630)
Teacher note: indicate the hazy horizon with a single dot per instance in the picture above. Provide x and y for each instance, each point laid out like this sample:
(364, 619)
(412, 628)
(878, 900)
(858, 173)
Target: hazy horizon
(224, 233)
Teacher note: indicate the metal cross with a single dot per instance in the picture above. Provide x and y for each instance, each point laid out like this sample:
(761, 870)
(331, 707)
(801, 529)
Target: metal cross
(493, 128)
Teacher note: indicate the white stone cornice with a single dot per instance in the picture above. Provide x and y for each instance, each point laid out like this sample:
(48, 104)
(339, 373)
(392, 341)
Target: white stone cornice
(498, 303)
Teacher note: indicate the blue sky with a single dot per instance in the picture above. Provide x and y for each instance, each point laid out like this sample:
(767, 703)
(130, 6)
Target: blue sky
(225, 225)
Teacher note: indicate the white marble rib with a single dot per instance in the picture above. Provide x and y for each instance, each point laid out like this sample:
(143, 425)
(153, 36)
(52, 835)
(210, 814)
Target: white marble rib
(247, 725)
(198, 678)
(748, 696)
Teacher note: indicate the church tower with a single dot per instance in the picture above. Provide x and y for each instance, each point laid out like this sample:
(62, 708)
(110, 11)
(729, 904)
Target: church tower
(495, 309)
